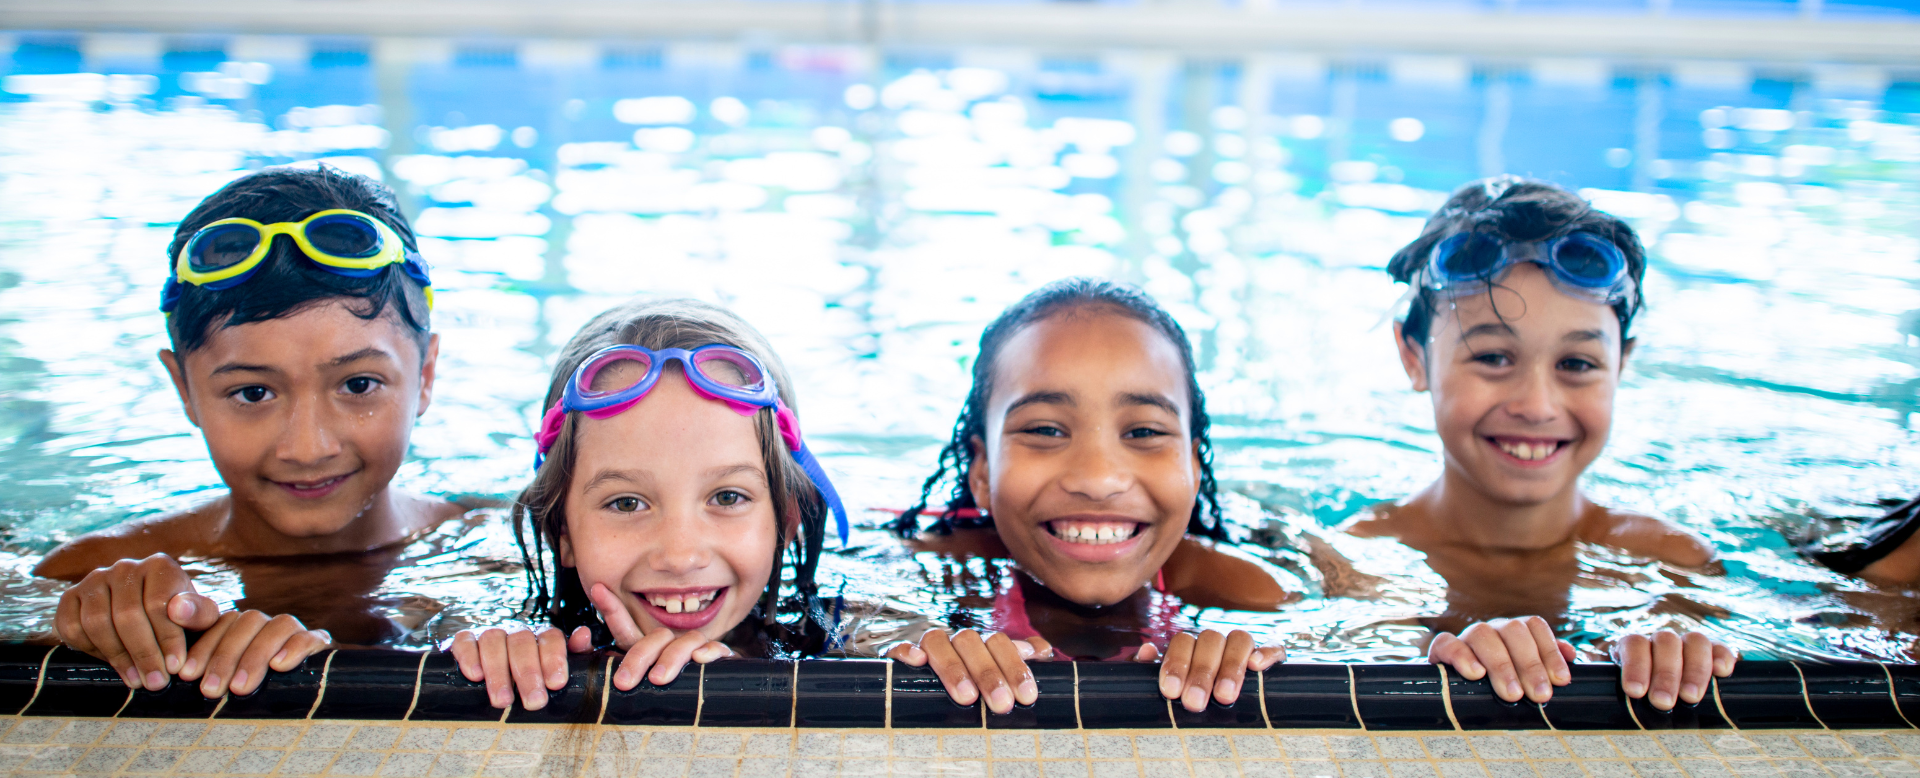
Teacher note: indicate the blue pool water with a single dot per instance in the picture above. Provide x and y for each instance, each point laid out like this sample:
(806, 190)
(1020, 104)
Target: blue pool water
(871, 211)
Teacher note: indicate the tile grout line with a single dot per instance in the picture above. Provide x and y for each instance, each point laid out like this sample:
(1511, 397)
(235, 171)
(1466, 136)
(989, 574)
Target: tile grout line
(699, 699)
(1714, 684)
(793, 694)
(1077, 722)
(219, 706)
(1805, 698)
(418, 673)
(1636, 717)
(1446, 697)
(129, 701)
(1894, 695)
(41, 681)
(1261, 677)
(1353, 698)
(606, 693)
(325, 669)
(889, 724)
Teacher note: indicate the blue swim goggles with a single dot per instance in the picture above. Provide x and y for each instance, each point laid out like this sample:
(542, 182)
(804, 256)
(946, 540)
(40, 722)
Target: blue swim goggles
(1582, 264)
(225, 253)
(615, 378)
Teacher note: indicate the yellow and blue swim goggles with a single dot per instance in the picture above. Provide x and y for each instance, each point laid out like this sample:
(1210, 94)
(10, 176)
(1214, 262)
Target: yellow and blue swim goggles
(224, 254)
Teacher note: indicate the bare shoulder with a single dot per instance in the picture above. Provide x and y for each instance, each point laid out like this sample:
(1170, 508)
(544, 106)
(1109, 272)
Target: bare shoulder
(1383, 520)
(1645, 536)
(176, 534)
(1217, 575)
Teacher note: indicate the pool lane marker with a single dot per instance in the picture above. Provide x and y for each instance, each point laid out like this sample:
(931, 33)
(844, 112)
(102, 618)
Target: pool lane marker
(41, 681)
(419, 673)
(322, 694)
(1446, 697)
(1891, 693)
(1353, 697)
(1805, 698)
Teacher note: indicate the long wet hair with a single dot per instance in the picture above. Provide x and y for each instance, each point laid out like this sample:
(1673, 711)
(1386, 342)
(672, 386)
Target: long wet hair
(540, 512)
(1072, 294)
(1514, 209)
(286, 283)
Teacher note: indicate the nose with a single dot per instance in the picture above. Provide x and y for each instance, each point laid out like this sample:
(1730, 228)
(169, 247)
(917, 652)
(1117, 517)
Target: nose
(306, 439)
(1097, 470)
(1536, 397)
(680, 545)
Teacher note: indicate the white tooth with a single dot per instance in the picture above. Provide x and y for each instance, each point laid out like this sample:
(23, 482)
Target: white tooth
(1107, 532)
(675, 605)
(1523, 451)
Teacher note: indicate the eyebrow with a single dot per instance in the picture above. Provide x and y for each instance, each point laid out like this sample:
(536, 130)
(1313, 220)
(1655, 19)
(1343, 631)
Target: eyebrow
(1582, 336)
(611, 475)
(1041, 398)
(1490, 328)
(239, 367)
(1155, 400)
(370, 352)
(732, 470)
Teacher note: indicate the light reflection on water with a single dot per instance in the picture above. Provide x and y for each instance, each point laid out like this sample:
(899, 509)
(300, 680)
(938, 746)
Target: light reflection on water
(870, 224)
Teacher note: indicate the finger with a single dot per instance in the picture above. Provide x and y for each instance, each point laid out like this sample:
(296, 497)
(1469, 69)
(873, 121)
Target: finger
(639, 659)
(714, 650)
(581, 641)
(1696, 666)
(523, 661)
(1013, 667)
(224, 665)
(1148, 653)
(1724, 658)
(1567, 655)
(466, 653)
(1042, 650)
(1524, 649)
(1173, 666)
(946, 663)
(96, 618)
(983, 670)
(193, 611)
(553, 657)
(1445, 649)
(1634, 655)
(1233, 666)
(135, 629)
(674, 657)
(1489, 647)
(201, 653)
(1551, 661)
(908, 654)
(1267, 656)
(614, 613)
(66, 621)
(496, 667)
(1201, 668)
(251, 670)
(1667, 659)
(304, 644)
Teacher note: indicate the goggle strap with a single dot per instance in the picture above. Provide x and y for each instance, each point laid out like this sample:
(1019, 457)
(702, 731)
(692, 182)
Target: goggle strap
(827, 492)
(550, 424)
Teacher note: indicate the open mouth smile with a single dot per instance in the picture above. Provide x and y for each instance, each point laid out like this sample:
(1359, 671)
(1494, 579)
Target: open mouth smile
(1095, 540)
(1529, 451)
(683, 609)
(313, 490)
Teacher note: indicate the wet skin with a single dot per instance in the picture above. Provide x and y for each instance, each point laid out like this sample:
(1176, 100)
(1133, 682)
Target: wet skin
(670, 510)
(1087, 432)
(307, 419)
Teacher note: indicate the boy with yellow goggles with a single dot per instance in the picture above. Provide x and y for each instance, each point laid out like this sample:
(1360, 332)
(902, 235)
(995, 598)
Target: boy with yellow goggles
(224, 254)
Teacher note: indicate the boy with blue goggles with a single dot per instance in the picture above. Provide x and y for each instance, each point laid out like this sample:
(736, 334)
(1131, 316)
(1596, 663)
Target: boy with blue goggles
(1581, 264)
(617, 377)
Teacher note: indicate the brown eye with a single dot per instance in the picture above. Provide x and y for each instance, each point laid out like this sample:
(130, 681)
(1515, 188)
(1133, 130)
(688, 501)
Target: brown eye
(360, 385)
(252, 394)
(729, 498)
(624, 504)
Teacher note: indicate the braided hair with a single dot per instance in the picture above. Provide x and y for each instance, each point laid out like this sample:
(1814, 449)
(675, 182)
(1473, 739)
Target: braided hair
(956, 458)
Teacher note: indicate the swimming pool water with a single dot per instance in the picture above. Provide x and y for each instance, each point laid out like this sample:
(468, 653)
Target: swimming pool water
(870, 212)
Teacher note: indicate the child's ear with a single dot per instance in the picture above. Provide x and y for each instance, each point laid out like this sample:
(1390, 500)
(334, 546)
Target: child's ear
(178, 372)
(1413, 358)
(978, 481)
(428, 361)
(564, 548)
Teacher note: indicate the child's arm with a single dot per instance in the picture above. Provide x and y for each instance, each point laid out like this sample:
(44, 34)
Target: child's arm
(1211, 664)
(536, 662)
(134, 614)
(1522, 658)
(967, 664)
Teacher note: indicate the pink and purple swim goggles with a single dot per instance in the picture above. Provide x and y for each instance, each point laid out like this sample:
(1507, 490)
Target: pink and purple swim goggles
(616, 377)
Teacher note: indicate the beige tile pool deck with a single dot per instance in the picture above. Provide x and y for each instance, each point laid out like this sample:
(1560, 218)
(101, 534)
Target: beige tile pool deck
(120, 747)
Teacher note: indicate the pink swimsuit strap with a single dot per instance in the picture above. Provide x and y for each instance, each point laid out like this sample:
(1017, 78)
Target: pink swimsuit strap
(1010, 616)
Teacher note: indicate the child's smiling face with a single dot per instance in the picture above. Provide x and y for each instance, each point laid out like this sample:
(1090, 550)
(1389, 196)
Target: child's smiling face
(307, 416)
(669, 507)
(1088, 468)
(1523, 382)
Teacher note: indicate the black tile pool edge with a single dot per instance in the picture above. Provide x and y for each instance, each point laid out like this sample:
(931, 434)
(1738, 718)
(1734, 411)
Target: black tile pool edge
(375, 684)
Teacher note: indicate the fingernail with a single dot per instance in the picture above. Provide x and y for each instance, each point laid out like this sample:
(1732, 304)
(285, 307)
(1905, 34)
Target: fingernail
(130, 678)
(1636, 690)
(1690, 692)
(498, 699)
(189, 667)
(240, 681)
(210, 686)
(1542, 690)
(1195, 699)
(1000, 700)
(536, 700)
(1230, 689)
(1513, 689)
(156, 681)
(173, 663)
(1029, 690)
(964, 693)
(1663, 700)
(1170, 686)
(1562, 678)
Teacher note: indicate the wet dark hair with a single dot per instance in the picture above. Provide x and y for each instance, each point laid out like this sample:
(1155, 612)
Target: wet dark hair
(540, 512)
(1060, 297)
(1515, 209)
(286, 282)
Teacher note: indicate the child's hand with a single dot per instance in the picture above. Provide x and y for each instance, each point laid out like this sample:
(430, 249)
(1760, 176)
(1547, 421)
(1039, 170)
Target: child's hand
(534, 661)
(1520, 656)
(966, 663)
(134, 614)
(236, 652)
(1675, 662)
(659, 655)
(1213, 664)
